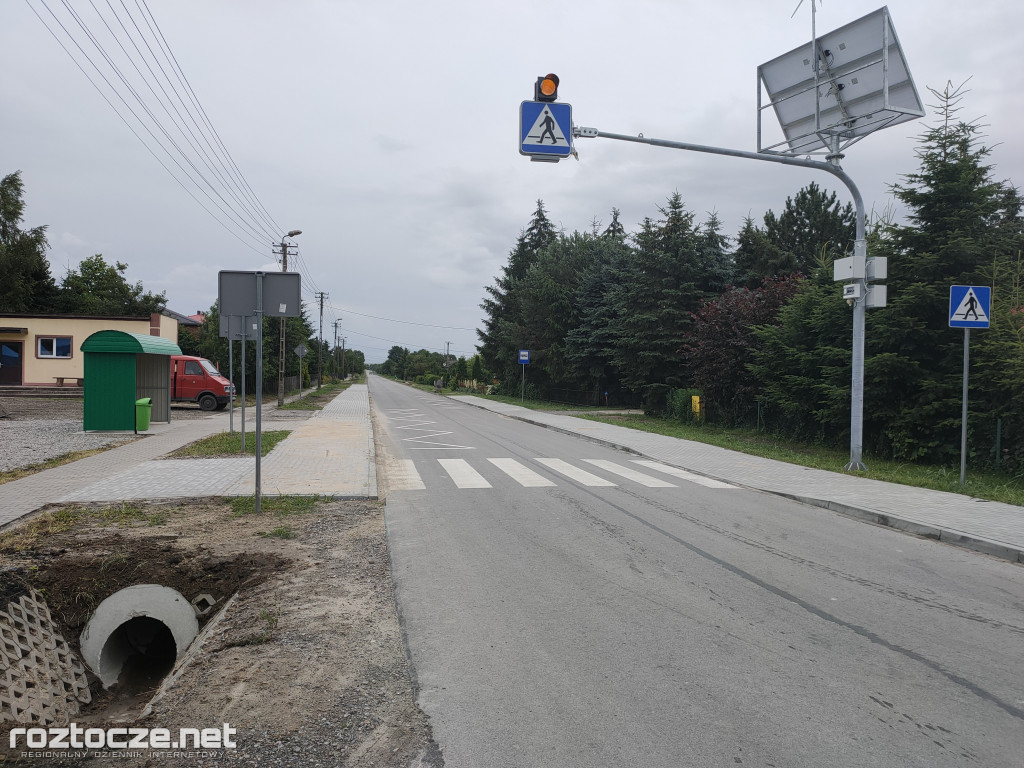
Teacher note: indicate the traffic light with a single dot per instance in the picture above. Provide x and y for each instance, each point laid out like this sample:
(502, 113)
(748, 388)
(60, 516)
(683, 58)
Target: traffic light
(546, 88)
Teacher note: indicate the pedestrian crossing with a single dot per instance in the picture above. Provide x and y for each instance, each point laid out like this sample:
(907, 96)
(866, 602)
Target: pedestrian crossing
(410, 475)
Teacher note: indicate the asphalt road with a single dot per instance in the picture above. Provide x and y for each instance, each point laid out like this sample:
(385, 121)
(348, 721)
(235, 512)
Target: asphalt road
(558, 620)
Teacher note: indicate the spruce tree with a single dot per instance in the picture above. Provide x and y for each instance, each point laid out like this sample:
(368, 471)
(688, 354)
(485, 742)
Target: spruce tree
(590, 345)
(813, 223)
(756, 257)
(502, 334)
(26, 284)
(958, 221)
(656, 293)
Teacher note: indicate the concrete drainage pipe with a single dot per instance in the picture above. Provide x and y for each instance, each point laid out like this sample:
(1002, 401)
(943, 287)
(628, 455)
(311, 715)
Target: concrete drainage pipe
(146, 626)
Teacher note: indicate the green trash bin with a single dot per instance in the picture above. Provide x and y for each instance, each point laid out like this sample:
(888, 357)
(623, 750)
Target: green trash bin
(143, 408)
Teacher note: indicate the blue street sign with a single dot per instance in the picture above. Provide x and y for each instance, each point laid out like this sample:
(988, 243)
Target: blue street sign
(524, 356)
(545, 129)
(969, 306)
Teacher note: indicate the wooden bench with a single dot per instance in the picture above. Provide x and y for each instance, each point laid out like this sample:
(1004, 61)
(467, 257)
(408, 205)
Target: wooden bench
(60, 380)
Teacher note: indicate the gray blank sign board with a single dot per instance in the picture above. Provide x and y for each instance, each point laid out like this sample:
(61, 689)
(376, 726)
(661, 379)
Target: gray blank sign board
(231, 327)
(282, 292)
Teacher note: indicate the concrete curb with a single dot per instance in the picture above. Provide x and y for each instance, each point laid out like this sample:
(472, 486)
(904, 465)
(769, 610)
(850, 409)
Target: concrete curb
(885, 519)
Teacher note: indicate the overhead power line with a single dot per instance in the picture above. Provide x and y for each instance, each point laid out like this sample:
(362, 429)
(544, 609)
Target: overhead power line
(404, 322)
(407, 345)
(134, 70)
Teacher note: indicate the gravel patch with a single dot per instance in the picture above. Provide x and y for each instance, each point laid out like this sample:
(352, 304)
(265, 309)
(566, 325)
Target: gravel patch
(37, 429)
(29, 442)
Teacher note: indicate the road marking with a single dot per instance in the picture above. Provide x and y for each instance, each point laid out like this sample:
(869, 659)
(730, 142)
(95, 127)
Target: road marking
(522, 474)
(575, 473)
(707, 482)
(402, 476)
(435, 446)
(419, 423)
(463, 475)
(631, 474)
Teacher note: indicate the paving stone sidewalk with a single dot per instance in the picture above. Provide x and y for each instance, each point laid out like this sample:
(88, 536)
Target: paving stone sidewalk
(988, 526)
(329, 454)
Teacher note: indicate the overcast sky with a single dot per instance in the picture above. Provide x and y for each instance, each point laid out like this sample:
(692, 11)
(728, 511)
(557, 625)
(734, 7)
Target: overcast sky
(388, 133)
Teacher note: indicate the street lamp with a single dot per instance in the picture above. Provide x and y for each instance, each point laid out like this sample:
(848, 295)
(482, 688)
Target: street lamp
(280, 357)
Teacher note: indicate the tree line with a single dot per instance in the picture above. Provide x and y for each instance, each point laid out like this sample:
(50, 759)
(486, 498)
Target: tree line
(426, 367)
(755, 325)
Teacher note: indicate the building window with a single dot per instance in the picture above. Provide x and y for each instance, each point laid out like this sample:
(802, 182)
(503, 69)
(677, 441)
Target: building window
(53, 346)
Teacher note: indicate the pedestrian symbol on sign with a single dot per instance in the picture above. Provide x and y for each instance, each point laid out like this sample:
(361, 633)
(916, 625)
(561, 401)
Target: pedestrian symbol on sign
(545, 126)
(969, 306)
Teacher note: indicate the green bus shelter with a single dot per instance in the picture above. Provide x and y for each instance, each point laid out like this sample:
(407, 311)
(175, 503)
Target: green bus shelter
(121, 368)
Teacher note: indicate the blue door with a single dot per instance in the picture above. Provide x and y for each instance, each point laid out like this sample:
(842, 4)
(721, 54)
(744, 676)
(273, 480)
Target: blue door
(10, 363)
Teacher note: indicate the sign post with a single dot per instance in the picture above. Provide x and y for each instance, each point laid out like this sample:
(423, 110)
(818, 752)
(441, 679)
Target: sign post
(969, 307)
(232, 327)
(259, 295)
(300, 351)
(524, 360)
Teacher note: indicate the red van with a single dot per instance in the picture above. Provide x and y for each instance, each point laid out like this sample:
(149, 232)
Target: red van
(197, 380)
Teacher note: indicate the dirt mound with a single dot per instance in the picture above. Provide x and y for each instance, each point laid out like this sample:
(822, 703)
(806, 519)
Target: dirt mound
(306, 662)
(76, 581)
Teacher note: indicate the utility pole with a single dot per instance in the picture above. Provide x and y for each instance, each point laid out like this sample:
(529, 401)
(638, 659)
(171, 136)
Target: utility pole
(320, 347)
(280, 353)
(334, 349)
(343, 374)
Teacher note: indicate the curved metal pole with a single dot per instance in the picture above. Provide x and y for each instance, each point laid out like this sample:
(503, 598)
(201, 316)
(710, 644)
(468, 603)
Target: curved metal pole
(860, 252)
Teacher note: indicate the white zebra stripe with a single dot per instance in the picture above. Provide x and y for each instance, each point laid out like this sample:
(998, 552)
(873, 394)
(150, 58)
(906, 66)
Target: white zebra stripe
(575, 473)
(707, 482)
(631, 474)
(463, 475)
(522, 474)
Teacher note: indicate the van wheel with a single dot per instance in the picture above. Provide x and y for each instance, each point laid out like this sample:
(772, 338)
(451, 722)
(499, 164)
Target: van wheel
(207, 402)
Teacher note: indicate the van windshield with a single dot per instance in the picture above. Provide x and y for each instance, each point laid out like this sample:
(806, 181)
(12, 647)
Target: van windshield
(210, 368)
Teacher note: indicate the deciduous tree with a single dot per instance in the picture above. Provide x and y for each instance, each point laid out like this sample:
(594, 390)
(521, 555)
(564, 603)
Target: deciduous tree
(98, 288)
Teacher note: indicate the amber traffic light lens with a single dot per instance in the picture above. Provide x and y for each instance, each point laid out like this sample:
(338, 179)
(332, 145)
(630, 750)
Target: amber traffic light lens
(546, 88)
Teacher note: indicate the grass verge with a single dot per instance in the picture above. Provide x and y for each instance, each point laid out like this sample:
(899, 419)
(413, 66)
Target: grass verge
(278, 506)
(230, 444)
(981, 484)
(537, 405)
(281, 532)
(29, 534)
(316, 399)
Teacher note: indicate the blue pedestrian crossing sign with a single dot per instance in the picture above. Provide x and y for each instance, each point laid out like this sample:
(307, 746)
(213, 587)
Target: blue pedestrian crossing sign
(969, 306)
(545, 129)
